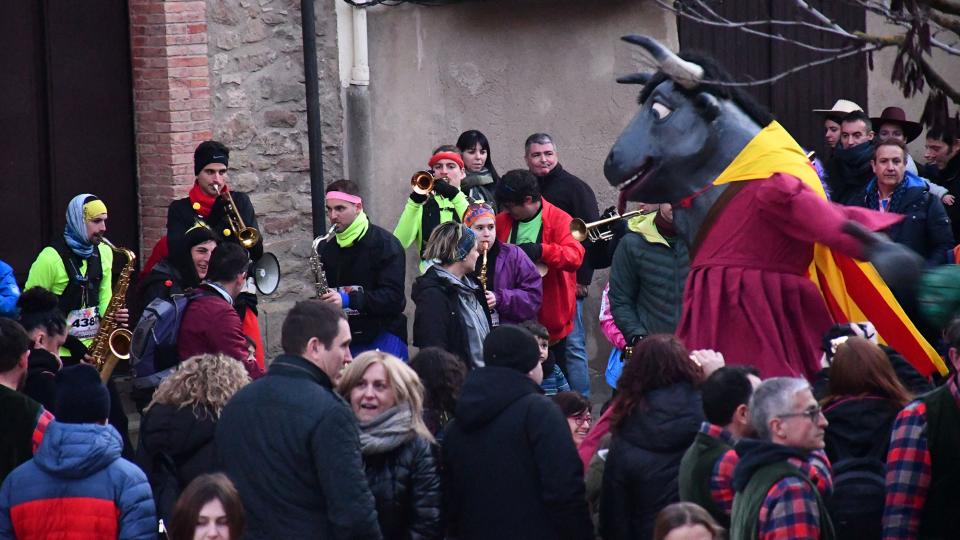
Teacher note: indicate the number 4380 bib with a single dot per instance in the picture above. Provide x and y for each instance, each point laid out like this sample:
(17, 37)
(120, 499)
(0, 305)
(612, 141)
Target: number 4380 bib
(84, 323)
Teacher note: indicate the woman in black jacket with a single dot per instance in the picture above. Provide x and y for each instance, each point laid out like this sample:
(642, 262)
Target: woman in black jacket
(398, 449)
(657, 416)
(41, 317)
(176, 432)
(451, 309)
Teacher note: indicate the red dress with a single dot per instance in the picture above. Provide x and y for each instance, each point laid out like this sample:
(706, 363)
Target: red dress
(748, 295)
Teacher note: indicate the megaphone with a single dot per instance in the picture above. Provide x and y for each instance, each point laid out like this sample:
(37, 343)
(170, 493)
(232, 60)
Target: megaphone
(266, 273)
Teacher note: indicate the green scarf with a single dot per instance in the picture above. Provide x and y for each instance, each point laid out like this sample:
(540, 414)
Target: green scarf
(354, 232)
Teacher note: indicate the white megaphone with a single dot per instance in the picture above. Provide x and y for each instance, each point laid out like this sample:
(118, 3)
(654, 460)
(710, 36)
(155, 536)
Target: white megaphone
(266, 273)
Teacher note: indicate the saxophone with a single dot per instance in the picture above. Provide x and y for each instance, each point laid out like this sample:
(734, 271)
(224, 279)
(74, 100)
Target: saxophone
(112, 342)
(482, 278)
(320, 279)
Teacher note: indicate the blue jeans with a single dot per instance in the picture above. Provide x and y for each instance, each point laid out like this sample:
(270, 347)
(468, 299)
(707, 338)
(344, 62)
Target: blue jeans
(578, 374)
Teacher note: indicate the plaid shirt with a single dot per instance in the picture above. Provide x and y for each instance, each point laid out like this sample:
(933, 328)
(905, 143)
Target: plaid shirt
(43, 420)
(721, 479)
(909, 470)
(790, 508)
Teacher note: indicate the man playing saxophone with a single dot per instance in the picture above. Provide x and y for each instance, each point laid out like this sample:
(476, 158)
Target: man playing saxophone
(365, 270)
(77, 267)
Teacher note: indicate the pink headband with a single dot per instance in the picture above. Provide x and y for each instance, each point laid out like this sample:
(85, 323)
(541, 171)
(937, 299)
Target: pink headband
(452, 156)
(339, 195)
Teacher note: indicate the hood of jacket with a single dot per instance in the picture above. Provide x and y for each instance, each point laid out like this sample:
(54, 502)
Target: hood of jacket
(176, 431)
(77, 450)
(910, 180)
(668, 423)
(860, 426)
(755, 454)
(487, 392)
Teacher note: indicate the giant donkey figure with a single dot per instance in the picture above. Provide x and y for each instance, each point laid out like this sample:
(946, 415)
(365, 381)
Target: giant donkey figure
(753, 213)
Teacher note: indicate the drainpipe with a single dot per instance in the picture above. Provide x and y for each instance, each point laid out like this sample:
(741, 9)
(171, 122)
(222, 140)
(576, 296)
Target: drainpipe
(309, 24)
(358, 117)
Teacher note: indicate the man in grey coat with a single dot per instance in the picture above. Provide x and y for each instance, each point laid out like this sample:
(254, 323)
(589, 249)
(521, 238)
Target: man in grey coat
(291, 445)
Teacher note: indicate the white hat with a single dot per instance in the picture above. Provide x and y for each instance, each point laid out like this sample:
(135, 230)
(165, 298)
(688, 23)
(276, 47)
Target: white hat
(842, 106)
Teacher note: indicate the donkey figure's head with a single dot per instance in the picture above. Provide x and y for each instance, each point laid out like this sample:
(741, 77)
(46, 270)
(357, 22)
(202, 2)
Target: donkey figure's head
(688, 130)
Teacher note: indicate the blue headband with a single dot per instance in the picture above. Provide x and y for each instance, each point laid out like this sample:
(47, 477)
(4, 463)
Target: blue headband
(466, 243)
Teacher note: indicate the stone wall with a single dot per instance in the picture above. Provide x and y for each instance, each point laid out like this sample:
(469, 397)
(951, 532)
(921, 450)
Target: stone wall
(259, 111)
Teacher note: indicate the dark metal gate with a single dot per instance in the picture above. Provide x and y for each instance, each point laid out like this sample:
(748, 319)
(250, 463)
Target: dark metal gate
(750, 57)
(66, 121)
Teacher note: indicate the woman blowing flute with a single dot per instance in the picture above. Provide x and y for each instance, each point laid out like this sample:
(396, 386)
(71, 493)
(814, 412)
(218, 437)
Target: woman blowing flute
(513, 288)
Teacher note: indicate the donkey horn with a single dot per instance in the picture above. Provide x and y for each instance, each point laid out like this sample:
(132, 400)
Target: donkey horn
(686, 74)
(636, 78)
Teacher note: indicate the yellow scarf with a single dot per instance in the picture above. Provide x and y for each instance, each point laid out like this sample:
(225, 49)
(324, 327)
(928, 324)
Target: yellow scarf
(852, 290)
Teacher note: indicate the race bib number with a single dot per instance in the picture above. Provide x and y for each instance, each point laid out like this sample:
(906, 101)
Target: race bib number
(84, 323)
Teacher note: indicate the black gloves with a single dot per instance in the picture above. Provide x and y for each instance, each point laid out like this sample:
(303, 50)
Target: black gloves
(533, 250)
(417, 197)
(445, 190)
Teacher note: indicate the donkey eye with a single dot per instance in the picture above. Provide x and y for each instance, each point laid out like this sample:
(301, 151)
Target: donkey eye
(660, 110)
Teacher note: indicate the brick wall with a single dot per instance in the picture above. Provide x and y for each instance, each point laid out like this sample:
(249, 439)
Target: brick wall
(171, 85)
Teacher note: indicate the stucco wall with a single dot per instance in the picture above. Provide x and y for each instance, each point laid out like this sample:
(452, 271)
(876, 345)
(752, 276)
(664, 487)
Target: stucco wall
(509, 69)
(882, 93)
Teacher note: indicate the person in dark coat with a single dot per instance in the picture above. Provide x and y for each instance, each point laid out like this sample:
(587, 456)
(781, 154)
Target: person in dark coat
(656, 419)
(442, 376)
(47, 329)
(365, 270)
(291, 445)
(398, 449)
(451, 310)
(926, 228)
(848, 170)
(943, 165)
(510, 466)
(177, 429)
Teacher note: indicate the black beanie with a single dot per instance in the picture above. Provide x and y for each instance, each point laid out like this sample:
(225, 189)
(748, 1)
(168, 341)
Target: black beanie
(209, 152)
(511, 347)
(81, 397)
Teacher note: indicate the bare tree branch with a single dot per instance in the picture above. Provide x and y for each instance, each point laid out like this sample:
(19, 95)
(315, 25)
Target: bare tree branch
(820, 16)
(936, 81)
(860, 50)
(950, 7)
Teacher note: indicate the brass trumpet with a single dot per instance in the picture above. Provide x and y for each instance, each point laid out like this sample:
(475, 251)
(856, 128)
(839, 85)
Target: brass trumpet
(247, 236)
(422, 182)
(592, 231)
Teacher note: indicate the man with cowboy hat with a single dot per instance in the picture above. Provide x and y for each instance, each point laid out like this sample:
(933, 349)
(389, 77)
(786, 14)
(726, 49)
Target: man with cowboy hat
(832, 118)
(893, 124)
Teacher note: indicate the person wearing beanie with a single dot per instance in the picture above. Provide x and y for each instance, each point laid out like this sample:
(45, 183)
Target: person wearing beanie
(513, 290)
(365, 269)
(451, 311)
(77, 484)
(511, 468)
(424, 212)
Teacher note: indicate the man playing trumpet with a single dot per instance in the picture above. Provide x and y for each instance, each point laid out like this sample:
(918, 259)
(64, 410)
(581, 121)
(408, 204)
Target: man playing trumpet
(365, 271)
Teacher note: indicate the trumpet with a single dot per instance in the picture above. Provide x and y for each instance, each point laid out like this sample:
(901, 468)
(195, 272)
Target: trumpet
(247, 236)
(422, 182)
(592, 231)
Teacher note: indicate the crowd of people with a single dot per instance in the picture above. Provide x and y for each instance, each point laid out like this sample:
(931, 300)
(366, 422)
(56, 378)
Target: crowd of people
(487, 430)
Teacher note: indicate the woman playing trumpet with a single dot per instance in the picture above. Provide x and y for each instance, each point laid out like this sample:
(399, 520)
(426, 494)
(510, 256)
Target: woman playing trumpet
(442, 203)
(513, 289)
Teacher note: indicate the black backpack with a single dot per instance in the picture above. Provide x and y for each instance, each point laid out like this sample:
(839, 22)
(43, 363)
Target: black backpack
(856, 504)
(153, 352)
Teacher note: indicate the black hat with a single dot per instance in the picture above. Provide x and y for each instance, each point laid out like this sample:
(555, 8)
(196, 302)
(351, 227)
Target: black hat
(81, 397)
(511, 347)
(209, 152)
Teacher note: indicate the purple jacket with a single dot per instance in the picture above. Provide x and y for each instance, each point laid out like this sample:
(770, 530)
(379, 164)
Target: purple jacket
(517, 285)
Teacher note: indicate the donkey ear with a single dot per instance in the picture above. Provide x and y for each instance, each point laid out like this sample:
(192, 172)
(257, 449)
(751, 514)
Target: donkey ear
(709, 104)
(635, 78)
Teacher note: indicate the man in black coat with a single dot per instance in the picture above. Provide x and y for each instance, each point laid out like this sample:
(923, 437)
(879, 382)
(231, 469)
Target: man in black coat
(510, 465)
(291, 445)
(365, 269)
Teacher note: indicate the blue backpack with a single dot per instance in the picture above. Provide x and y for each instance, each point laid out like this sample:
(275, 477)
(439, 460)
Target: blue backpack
(153, 351)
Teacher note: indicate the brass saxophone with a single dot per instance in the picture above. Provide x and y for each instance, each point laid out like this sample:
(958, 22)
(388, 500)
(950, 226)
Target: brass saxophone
(482, 278)
(112, 342)
(320, 279)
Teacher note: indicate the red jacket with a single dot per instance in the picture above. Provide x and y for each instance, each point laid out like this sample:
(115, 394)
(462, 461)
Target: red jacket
(563, 256)
(210, 325)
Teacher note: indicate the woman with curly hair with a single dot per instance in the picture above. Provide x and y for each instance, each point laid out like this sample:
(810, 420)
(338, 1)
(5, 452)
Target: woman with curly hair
(655, 419)
(398, 449)
(176, 432)
(442, 375)
(209, 508)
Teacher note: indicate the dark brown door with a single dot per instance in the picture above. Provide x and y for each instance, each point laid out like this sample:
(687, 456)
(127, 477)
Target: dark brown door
(66, 121)
(749, 57)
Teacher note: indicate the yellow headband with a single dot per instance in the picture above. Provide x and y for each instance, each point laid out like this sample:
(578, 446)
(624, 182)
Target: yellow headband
(93, 209)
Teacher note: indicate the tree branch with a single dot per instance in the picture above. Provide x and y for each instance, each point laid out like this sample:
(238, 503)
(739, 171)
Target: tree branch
(791, 71)
(951, 7)
(935, 80)
(814, 12)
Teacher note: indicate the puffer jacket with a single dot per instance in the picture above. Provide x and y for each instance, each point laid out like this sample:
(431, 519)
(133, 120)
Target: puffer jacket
(643, 464)
(405, 483)
(646, 280)
(77, 486)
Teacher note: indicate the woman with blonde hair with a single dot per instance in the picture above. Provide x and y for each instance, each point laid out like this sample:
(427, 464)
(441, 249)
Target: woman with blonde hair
(398, 450)
(177, 428)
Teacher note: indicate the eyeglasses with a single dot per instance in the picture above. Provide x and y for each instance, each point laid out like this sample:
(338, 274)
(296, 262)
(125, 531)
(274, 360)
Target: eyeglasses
(813, 414)
(582, 418)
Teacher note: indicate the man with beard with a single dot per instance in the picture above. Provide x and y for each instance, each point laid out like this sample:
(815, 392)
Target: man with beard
(849, 168)
(24, 420)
